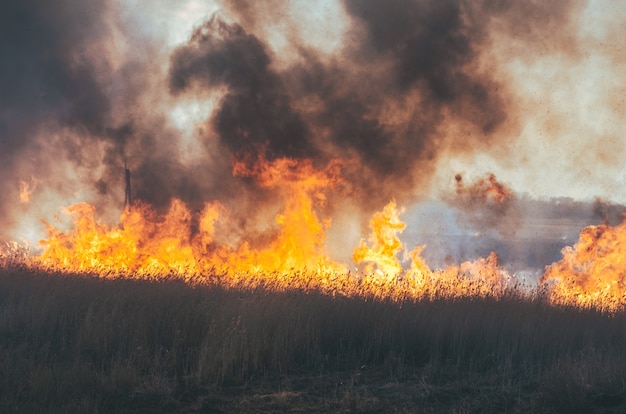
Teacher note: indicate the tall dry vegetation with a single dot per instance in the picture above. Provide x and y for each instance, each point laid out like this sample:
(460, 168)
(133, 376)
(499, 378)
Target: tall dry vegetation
(79, 344)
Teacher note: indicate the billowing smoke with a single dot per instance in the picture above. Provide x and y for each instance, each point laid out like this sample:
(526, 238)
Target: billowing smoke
(387, 105)
(48, 75)
(408, 84)
(255, 115)
(48, 72)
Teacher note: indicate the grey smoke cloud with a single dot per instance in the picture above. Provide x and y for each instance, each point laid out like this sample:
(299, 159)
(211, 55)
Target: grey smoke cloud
(419, 55)
(412, 83)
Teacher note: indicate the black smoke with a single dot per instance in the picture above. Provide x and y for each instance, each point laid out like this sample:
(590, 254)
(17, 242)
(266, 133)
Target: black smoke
(45, 71)
(255, 115)
(385, 104)
(46, 75)
(421, 57)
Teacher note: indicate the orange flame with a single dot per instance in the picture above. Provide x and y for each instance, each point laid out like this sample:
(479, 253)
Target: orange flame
(147, 244)
(300, 243)
(381, 257)
(486, 190)
(185, 245)
(385, 275)
(593, 271)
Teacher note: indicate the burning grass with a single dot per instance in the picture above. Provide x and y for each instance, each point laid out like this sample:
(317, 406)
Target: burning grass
(194, 246)
(72, 343)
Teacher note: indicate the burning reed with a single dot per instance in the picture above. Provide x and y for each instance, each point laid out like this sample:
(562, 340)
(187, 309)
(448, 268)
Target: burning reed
(190, 246)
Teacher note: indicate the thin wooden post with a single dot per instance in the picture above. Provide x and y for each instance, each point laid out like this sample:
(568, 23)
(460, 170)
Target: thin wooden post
(128, 198)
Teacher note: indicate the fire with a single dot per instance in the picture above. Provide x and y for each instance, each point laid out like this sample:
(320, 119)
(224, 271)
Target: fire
(487, 190)
(593, 271)
(186, 244)
(381, 257)
(143, 243)
(300, 243)
(385, 273)
(148, 244)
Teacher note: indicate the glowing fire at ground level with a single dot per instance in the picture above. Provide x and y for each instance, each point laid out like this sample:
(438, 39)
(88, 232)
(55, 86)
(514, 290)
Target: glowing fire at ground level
(186, 245)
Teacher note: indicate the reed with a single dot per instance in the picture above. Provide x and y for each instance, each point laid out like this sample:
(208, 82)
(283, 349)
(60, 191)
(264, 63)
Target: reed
(72, 343)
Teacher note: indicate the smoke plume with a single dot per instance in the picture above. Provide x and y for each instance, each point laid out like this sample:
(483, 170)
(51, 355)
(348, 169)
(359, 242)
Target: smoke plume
(408, 84)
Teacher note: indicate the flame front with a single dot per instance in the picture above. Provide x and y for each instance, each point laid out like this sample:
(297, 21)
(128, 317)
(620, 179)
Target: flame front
(148, 244)
(381, 257)
(593, 271)
(186, 244)
(385, 273)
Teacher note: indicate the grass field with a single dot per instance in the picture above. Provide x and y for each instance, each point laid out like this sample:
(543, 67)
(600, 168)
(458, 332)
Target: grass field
(74, 344)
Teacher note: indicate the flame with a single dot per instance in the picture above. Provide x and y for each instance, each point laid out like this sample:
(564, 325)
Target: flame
(145, 244)
(593, 271)
(148, 244)
(487, 190)
(381, 257)
(387, 275)
(184, 244)
(300, 243)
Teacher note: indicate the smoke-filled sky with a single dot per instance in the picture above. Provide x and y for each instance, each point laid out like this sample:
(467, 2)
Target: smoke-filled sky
(407, 94)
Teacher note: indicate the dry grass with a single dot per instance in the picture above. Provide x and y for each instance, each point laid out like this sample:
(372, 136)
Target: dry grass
(79, 344)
